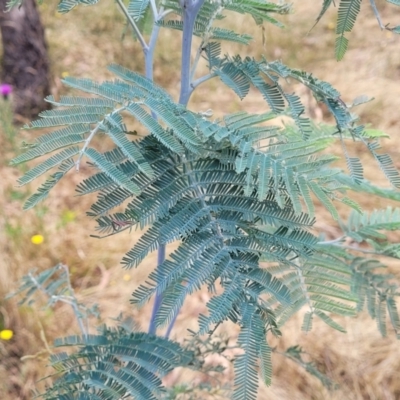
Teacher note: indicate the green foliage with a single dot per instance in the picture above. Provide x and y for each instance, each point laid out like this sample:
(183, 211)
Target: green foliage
(115, 364)
(55, 284)
(348, 12)
(236, 195)
(296, 354)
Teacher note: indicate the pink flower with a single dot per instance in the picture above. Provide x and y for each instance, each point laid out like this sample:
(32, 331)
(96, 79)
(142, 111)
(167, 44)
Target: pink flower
(5, 90)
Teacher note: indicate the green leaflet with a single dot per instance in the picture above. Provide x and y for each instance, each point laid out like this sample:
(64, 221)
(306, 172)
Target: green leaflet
(82, 101)
(137, 8)
(324, 199)
(235, 79)
(270, 284)
(368, 225)
(44, 189)
(329, 321)
(49, 146)
(129, 148)
(111, 171)
(325, 6)
(265, 353)
(307, 322)
(66, 6)
(259, 10)
(347, 14)
(155, 128)
(117, 362)
(246, 374)
(48, 164)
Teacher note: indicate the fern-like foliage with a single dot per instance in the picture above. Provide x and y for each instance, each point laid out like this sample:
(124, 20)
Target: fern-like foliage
(115, 364)
(232, 193)
(236, 195)
(348, 12)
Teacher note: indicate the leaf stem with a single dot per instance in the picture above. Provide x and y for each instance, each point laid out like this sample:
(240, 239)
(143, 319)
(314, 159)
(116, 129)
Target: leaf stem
(85, 146)
(92, 134)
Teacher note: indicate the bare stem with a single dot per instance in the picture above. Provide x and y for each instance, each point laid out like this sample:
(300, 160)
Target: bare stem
(201, 80)
(190, 11)
(158, 298)
(149, 61)
(376, 12)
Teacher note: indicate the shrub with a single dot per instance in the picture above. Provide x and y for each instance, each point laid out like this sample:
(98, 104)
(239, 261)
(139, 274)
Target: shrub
(237, 195)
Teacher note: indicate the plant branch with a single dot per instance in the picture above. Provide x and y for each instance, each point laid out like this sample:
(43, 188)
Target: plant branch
(201, 80)
(133, 25)
(190, 10)
(70, 300)
(204, 41)
(376, 12)
(158, 298)
(163, 14)
(74, 303)
(333, 241)
(196, 60)
(354, 248)
(149, 53)
(154, 9)
(149, 61)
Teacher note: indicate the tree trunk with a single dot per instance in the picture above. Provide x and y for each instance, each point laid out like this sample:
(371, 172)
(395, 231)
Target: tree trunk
(25, 64)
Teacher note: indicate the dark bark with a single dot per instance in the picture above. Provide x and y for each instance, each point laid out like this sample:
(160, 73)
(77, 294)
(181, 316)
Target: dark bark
(25, 63)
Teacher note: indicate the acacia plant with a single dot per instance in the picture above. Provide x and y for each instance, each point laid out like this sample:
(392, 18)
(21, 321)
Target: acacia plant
(237, 195)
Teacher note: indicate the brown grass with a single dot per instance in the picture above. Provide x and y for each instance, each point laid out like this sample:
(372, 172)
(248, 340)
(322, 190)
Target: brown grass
(83, 43)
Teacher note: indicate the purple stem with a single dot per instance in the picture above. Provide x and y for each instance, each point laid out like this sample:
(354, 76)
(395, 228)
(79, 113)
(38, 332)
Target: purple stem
(158, 298)
(190, 10)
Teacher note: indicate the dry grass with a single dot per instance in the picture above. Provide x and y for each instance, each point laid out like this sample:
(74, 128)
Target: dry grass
(83, 43)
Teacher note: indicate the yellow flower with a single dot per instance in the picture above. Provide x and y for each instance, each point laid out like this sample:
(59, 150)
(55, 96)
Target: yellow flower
(37, 239)
(6, 334)
(127, 277)
(64, 74)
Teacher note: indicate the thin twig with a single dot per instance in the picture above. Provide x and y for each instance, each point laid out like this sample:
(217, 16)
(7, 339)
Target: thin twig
(133, 25)
(92, 134)
(354, 248)
(333, 241)
(202, 79)
(86, 145)
(74, 303)
(376, 12)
